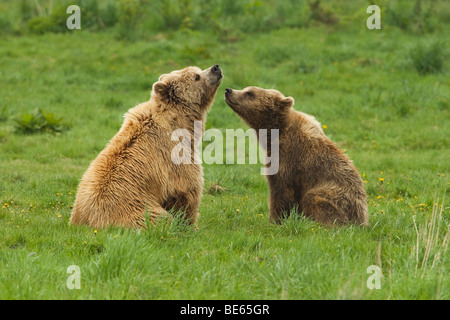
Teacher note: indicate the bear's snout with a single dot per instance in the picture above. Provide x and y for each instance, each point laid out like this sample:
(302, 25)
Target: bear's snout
(216, 69)
(229, 97)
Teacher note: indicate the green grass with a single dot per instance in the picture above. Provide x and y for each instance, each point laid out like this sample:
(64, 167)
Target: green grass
(362, 84)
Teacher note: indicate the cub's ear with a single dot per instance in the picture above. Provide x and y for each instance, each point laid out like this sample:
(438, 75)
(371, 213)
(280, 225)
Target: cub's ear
(286, 103)
(161, 89)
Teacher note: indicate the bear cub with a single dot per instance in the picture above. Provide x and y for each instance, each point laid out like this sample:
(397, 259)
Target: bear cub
(314, 176)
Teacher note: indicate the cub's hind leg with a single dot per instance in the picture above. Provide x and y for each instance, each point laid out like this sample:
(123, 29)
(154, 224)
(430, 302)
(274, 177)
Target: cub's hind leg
(323, 205)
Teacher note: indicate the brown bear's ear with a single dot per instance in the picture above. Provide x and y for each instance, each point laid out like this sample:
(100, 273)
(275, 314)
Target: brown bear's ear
(286, 103)
(161, 89)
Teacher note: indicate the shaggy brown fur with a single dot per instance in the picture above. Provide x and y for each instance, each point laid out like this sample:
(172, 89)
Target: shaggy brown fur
(314, 175)
(134, 174)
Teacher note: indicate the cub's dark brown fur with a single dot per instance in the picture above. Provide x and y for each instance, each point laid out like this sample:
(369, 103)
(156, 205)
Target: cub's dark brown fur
(314, 175)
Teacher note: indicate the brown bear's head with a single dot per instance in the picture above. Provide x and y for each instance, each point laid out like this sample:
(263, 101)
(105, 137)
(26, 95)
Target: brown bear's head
(188, 87)
(259, 108)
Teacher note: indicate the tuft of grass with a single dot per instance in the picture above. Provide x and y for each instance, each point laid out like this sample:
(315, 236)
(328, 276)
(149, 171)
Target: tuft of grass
(428, 59)
(430, 246)
(215, 188)
(167, 227)
(55, 21)
(414, 16)
(322, 14)
(3, 114)
(39, 121)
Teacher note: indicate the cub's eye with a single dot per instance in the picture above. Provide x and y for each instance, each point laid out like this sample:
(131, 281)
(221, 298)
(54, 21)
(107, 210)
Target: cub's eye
(197, 77)
(249, 94)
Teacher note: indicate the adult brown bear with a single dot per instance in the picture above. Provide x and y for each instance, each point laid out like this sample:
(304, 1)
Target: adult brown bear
(135, 175)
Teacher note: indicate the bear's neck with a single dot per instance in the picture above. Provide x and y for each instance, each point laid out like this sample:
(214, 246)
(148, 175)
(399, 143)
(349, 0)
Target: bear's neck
(178, 117)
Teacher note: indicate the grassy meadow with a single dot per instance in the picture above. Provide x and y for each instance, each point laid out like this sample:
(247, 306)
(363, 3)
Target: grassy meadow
(382, 95)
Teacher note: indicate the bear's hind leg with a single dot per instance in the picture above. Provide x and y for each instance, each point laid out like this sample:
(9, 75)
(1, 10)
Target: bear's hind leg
(152, 214)
(185, 204)
(188, 205)
(320, 204)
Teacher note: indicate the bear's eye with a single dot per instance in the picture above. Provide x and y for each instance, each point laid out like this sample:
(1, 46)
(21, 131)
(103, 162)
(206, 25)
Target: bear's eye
(250, 94)
(197, 77)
